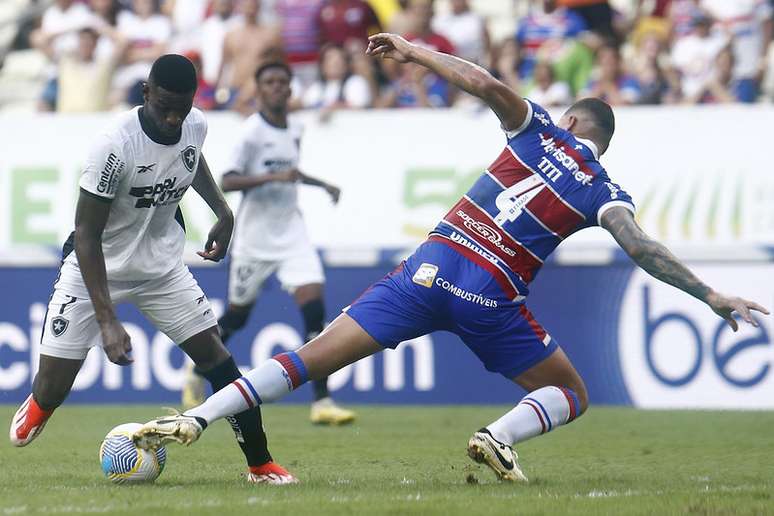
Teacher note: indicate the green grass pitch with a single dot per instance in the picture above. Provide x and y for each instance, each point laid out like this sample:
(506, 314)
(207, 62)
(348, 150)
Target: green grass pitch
(401, 460)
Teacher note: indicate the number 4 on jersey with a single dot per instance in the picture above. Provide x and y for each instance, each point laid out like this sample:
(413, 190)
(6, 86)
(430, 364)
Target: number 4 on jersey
(511, 201)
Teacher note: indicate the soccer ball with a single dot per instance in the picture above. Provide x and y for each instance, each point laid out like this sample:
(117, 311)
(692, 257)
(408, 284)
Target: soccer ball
(123, 462)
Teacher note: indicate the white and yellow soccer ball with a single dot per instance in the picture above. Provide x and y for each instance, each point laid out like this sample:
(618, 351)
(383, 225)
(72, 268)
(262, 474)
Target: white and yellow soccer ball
(123, 462)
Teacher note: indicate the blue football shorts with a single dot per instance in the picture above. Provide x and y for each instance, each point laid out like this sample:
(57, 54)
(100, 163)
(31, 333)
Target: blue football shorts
(437, 288)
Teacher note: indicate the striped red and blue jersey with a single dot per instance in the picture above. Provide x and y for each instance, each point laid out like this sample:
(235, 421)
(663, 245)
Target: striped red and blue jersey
(545, 185)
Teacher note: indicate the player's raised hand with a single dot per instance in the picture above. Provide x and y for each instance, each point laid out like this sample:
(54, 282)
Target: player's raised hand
(389, 45)
(725, 306)
(218, 239)
(116, 342)
(334, 192)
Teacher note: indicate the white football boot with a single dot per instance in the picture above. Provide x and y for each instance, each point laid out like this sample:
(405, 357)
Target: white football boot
(501, 458)
(177, 428)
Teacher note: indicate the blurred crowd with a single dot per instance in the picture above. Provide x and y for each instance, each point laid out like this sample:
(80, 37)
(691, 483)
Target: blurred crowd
(654, 52)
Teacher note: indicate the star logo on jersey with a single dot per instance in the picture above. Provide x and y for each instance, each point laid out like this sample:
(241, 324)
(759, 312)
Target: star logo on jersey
(541, 117)
(189, 157)
(141, 169)
(59, 325)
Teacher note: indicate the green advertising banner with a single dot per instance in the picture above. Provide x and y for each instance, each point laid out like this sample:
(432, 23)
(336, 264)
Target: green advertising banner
(698, 176)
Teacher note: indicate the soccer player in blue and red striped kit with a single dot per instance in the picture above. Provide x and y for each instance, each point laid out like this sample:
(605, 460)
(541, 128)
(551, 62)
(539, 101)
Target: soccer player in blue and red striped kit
(472, 275)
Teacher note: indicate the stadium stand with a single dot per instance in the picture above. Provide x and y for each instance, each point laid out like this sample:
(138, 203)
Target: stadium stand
(578, 45)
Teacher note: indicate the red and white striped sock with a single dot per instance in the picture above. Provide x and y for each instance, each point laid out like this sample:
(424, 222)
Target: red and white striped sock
(538, 412)
(268, 382)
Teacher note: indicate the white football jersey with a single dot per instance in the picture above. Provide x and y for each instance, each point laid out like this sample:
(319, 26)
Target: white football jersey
(144, 236)
(269, 225)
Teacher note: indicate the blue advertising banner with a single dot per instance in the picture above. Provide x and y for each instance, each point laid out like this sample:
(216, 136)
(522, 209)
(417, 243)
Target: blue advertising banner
(633, 340)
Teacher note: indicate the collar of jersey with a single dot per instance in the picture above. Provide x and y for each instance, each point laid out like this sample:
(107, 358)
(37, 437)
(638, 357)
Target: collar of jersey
(591, 145)
(270, 123)
(151, 133)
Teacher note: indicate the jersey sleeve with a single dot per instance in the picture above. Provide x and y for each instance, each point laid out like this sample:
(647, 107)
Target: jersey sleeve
(608, 195)
(245, 150)
(537, 117)
(200, 123)
(105, 166)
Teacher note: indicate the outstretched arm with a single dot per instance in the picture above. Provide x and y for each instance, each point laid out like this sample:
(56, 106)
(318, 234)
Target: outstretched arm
(510, 108)
(655, 259)
(220, 234)
(333, 191)
(234, 181)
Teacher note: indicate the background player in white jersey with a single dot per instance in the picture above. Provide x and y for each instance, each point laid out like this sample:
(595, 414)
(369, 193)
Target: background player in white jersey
(270, 234)
(465, 286)
(128, 242)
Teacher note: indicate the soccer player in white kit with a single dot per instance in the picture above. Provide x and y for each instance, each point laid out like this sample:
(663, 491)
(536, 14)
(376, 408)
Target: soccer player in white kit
(128, 242)
(270, 235)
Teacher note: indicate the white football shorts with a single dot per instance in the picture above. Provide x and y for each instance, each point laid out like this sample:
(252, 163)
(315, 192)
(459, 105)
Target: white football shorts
(247, 275)
(174, 304)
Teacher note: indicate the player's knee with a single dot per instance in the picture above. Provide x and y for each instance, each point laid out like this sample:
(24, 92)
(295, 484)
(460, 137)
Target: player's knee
(211, 355)
(206, 349)
(308, 293)
(579, 388)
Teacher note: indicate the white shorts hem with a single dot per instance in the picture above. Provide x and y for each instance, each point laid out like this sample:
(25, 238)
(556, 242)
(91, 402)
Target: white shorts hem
(189, 331)
(71, 353)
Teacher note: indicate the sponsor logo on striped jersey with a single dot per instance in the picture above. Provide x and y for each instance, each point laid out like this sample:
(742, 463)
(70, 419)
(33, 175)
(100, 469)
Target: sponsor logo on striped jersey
(486, 231)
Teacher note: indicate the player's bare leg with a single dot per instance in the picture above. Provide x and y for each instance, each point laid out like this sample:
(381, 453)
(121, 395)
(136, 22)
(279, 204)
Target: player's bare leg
(324, 411)
(556, 396)
(193, 392)
(342, 343)
(51, 386)
(215, 363)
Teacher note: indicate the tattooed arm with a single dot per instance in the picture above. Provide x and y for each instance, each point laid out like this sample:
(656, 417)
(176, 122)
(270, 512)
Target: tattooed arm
(510, 108)
(655, 259)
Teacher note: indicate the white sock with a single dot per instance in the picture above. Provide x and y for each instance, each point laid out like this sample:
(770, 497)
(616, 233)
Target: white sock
(268, 382)
(538, 412)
